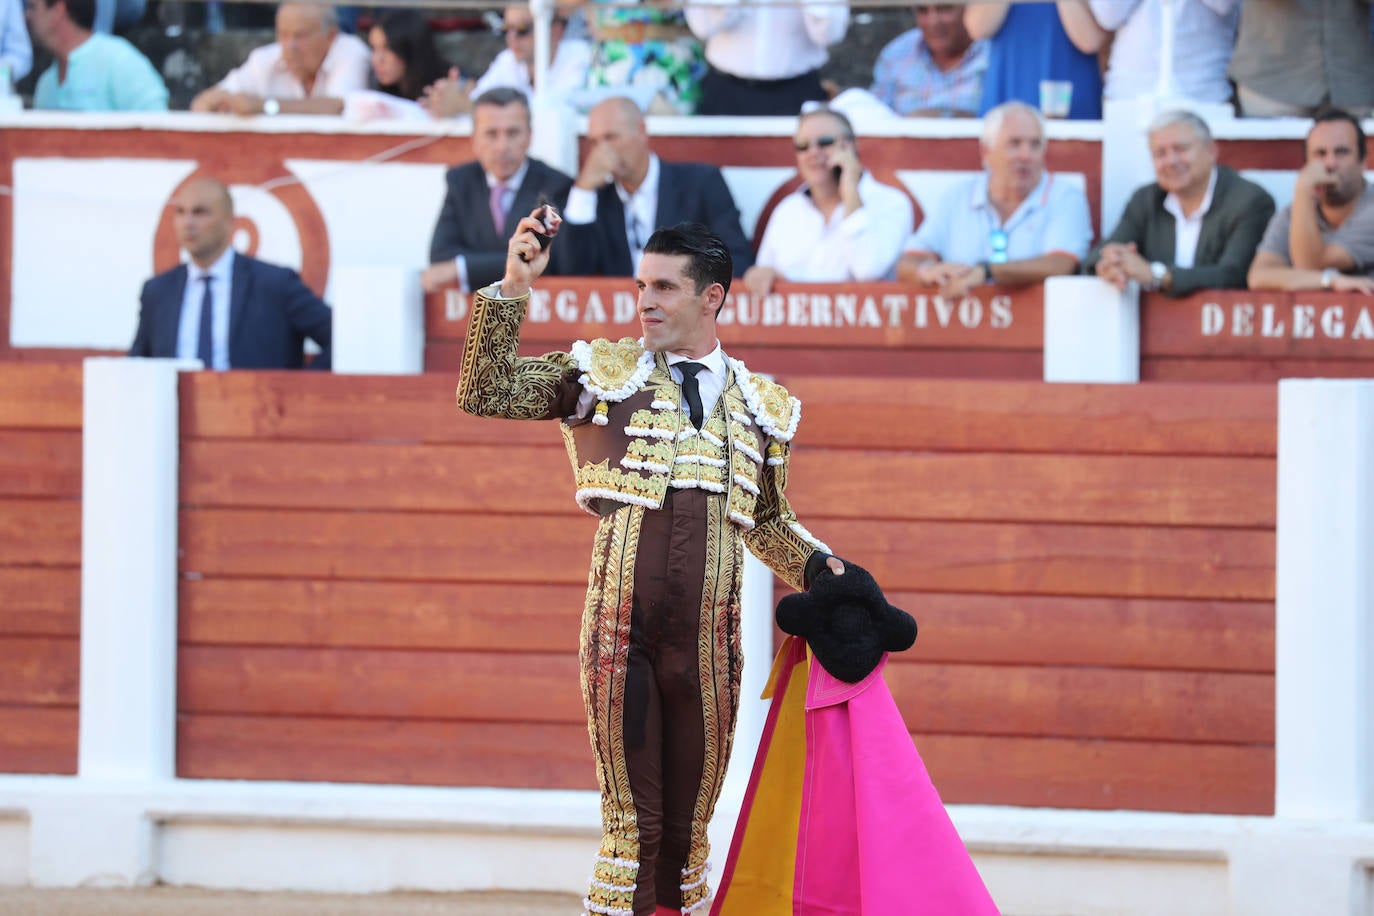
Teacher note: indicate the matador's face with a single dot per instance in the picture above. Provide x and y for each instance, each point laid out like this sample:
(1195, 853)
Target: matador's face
(674, 317)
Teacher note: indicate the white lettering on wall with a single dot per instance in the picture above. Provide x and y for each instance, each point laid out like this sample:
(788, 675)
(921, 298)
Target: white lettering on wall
(455, 305)
(1213, 319)
(1305, 321)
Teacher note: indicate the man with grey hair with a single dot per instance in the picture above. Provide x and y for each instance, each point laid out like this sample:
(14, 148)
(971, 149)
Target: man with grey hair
(1195, 227)
(1014, 225)
(307, 70)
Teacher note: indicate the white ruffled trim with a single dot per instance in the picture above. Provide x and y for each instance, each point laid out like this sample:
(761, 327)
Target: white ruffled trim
(636, 464)
(587, 494)
(751, 399)
(709, 486)
(604, 910)
(745, 448)
(684, 434)
(744, 521)
(663, 405)
(775, 462)
(599, 419)
(582, 353)
(621, 863)
(648, 433)
(699, 459)
(747, 484)
(712, 438)
(703, 902)
(808, 537)
(610, 887)
(742, 417)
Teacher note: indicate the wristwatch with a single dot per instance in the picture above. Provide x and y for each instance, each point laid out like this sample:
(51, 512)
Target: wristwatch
(1157, 274)
(1329, 277)
(271, 107)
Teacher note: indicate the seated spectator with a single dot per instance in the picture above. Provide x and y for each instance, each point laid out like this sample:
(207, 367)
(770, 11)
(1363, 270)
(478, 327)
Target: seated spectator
(765, 59)
(92, 71)
(16, 53)
(1295, 57)
(934, 70)
(841, 224)
(405, 63)
(309, 69)
(514, 66)
(1324, 239)
(1030, 43)
(1195, 228)
(624, 192)
(226, 309)
(486, 198)
(1204, 33)
(1014, 225)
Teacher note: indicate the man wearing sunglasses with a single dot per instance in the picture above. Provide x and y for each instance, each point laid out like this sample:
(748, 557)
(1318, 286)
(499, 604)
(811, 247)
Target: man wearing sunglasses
(841, 224)
(1014, 225)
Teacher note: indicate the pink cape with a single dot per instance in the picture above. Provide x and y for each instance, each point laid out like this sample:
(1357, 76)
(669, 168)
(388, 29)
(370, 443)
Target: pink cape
(840, 817)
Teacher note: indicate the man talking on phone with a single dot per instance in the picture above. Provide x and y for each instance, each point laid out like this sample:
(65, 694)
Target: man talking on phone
(841, 224)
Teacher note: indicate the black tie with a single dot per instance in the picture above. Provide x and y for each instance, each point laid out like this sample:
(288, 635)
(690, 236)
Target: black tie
(691, 391)
(205, 347)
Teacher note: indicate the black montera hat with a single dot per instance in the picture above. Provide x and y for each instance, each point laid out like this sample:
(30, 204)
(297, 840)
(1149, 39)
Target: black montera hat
(847, 622)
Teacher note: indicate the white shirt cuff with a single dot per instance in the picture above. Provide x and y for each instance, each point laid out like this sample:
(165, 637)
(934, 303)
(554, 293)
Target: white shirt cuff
(581, 206)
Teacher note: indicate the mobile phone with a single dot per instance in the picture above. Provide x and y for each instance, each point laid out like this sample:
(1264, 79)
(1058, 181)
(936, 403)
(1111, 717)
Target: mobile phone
(549, 216)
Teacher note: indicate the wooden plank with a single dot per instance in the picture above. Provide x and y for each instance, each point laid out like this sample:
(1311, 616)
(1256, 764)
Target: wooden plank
(40, 532)
(1028, 559)
(36, 739)
(380, 683)
(40, 601)
(1209, 369)
(1202, 707)
(1101, 632)
(40, 671)
(1102, 775)
(387, 545)
(517, 755)
(357, 476)
(321, 406)
(1233, 420)
(1128, 490)
(398, 615)
(40, 395)
(40, 463)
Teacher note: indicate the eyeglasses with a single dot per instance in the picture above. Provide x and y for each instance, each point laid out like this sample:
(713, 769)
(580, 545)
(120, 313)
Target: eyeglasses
(820, 142)
(997, 241)
(519, 31)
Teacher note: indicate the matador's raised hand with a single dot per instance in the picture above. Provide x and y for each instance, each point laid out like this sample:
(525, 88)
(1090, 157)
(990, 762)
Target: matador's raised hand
(527, 255)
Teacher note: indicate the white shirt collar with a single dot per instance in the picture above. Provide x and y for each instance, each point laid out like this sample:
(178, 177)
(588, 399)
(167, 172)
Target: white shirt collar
(713, 361)
(221, 270)
(1037, 196)
(647, 188)
(513, 182)
(1173, 205)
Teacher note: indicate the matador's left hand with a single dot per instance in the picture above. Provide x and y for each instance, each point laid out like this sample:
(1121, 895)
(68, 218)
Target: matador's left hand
(836, 565)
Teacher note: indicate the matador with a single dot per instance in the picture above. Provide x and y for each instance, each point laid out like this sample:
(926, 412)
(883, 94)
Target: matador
(683, 454)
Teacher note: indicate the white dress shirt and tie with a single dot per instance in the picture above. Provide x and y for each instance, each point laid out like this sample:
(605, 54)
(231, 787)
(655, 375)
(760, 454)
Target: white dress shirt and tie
(640, 208)
(207, 291)
(500, 197)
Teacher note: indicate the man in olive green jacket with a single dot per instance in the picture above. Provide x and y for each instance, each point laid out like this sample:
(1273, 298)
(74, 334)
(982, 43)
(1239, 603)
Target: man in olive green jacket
(1196, 227)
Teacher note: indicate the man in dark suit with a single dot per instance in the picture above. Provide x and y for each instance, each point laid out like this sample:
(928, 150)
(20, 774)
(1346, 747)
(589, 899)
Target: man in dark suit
(486, 198)
(624, 192)
(226, 309)
(1197, 227)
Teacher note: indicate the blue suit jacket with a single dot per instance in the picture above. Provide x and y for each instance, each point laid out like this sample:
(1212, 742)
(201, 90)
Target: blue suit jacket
(271, 312)
(687, 192)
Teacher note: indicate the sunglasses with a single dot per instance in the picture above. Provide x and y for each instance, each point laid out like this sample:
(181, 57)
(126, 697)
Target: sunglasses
(523, 31)
(802, 146)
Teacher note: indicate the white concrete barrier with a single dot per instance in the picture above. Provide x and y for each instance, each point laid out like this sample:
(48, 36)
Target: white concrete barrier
(1092, 331)
(379, 321)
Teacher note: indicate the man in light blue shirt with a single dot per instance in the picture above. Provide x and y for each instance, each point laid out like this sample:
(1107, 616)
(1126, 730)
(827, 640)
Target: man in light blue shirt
(1014, 225)
(92, 71)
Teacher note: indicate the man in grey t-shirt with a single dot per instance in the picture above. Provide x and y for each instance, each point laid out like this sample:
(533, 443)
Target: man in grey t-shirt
(1325, 237)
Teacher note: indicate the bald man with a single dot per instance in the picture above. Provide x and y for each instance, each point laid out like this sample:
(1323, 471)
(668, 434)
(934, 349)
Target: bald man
(307, 70)
(227, 309)
(624, 192)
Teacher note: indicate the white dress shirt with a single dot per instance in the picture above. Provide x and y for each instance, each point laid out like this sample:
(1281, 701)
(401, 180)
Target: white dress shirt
(769, 41)
(803, 246)
(1204, 35)
(507, 199)
(641, 209)
(221, 275)
(567, 70)
(264, 74)
(1187, 229)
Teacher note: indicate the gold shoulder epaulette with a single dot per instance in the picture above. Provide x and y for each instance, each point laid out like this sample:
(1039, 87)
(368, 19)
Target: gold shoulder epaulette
(776, 411)
(612, 370)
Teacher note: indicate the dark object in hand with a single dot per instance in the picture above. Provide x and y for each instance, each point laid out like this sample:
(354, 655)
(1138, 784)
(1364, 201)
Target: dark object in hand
(549, 216)
(847, 622)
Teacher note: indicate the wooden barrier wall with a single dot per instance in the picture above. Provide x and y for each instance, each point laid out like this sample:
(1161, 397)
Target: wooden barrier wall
(40, 567)
(376, 588)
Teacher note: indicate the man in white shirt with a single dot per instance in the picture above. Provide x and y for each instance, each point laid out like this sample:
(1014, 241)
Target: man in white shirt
(841, 224)
(1204, 34)
(307, 70)
(765, 59)
(1196, 227)
(624, 192)
(514, 66)
(1014, 225)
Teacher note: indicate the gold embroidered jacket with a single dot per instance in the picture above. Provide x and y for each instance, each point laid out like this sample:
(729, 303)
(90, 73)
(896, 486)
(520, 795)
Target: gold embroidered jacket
(637, 442)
